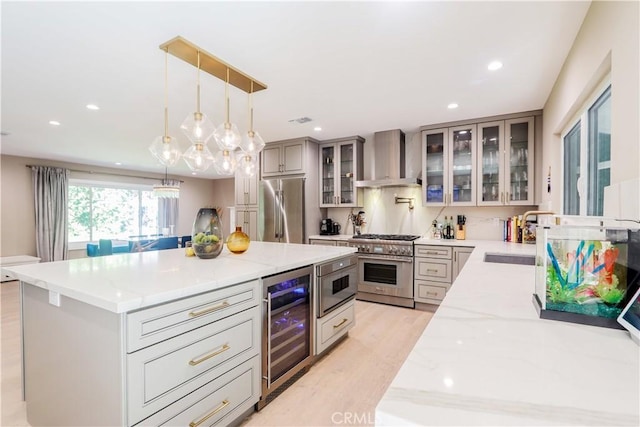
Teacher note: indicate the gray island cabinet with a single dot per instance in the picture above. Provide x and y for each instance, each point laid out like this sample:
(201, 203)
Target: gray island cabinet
(152, 338)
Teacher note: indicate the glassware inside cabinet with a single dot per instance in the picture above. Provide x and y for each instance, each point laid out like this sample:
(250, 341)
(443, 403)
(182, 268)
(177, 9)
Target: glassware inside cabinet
(346, 174)
(328, 186)
(435, 168)
(519, 161)
(491, 160)
(462, 165)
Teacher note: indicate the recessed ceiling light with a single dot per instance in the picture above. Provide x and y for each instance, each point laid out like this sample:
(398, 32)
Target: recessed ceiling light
(92, 107)
(495, 65)
(118, 164)
(193, 173)
(452, 106)
(317, 128)
(54, 122)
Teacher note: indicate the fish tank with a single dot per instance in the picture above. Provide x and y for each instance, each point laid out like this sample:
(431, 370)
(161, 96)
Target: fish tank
(586, 274)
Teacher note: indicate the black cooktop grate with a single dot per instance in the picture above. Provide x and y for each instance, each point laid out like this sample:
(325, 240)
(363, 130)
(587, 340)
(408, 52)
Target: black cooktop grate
(401, 237)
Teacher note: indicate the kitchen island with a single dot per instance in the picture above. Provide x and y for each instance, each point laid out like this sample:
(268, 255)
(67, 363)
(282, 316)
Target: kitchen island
(148, 338)
(486, 358)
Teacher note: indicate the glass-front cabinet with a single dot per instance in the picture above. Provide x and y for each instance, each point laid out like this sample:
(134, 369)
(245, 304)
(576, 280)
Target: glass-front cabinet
(491, 163)
(434, 159)
(519, 161)
(462, 169)
(340, 167)
(505, 166)
(449, 161)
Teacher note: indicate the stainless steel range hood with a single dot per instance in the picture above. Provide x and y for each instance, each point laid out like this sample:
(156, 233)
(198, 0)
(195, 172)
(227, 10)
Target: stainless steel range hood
(389, 162)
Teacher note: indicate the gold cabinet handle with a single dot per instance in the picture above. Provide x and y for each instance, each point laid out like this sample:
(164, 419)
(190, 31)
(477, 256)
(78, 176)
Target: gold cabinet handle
(208, 310)
(220, 407)
(432, 293)
(506, 199)
(345, 320)
(502, 197)
(433, 270)
(431, 253)
(194, 362)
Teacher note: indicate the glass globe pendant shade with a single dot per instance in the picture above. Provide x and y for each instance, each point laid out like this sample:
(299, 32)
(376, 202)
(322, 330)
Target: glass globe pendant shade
(252, 143)
(198, 128)
(227, 136)
(225, 163)
(166, 150)
(198, 157)
(247, 164)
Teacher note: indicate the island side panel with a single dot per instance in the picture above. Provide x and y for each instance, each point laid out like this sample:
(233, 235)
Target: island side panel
(73, 363)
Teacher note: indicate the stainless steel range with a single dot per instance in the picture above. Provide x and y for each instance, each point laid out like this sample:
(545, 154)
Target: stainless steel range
(385, 268)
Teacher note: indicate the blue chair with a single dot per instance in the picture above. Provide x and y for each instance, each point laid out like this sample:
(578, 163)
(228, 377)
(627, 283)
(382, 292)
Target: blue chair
(167, 243)
(93, 249)
(184, 240)
(106, 247)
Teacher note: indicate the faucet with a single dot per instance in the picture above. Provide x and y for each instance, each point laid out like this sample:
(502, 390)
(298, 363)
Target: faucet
(528, 213)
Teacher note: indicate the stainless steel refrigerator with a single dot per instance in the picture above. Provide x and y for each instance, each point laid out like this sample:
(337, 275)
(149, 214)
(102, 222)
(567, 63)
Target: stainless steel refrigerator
(282, 215)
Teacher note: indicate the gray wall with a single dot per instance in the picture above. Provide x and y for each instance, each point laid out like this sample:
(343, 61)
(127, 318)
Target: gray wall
(17, 214)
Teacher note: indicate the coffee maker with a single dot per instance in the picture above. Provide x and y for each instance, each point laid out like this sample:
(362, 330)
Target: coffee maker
(326, 227)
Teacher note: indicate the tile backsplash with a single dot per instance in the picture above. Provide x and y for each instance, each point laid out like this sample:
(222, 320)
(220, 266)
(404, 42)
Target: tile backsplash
(383, 215)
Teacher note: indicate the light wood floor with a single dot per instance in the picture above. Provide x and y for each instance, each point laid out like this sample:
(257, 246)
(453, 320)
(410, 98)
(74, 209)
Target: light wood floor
(344, 385)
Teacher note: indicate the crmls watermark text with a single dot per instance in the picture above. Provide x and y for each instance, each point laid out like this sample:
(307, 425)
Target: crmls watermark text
(352, 418)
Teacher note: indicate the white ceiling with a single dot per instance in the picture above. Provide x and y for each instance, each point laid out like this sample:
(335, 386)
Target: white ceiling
(353, 67)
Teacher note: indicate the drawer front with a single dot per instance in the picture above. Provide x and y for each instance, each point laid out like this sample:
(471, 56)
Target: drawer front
(438, 270)
(335, 325)
(444, 252)
(152, 325)
(322, 242)
(219, 402)
(161, 374)
(430, 292)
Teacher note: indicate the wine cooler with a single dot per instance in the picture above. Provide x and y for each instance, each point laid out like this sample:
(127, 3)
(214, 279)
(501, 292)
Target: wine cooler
(287, 328)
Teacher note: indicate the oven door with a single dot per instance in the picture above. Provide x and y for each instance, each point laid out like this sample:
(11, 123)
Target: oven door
(337, 288)
(386, 275)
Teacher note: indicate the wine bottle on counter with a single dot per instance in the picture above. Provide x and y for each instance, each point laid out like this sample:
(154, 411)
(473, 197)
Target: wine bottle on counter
(447, 225)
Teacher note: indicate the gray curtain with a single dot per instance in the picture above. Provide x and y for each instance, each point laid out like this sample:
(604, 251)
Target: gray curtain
(51, 194)
(168, 209)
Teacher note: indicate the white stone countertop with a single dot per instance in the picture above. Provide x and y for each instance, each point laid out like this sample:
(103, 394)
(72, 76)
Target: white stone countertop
(487, 359)
(125, 282)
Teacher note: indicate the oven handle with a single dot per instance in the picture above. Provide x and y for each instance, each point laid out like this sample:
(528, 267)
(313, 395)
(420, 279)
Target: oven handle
(386, 258)
(268, 334)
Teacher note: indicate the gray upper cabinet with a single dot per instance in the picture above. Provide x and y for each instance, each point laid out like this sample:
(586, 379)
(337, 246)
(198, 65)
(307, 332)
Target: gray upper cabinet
(449, 166)
(340, 166)
(506, 162)
(480, 163)
(283, 158)
(246, 189)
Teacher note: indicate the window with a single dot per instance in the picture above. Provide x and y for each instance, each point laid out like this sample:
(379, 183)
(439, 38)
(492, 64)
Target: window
(587, 158)
(110, 211)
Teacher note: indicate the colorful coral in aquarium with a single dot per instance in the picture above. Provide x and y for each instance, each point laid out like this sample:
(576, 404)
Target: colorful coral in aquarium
(583, 280)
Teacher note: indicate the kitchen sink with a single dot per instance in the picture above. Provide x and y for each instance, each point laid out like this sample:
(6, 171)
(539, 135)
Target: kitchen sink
(504, 258)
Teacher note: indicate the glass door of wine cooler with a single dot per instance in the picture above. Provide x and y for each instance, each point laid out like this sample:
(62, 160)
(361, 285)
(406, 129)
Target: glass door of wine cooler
(287, 327)
(491, 153)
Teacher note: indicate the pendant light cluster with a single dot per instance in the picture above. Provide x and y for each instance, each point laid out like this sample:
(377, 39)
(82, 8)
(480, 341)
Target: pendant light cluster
(233, 151)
